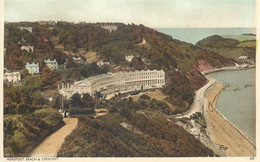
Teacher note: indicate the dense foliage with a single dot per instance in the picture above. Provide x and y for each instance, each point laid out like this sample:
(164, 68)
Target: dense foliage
(23, 132)
(155, 50)
(24, 99)
(82, 105)
(135, 129)
(139, 135)
(81, 71)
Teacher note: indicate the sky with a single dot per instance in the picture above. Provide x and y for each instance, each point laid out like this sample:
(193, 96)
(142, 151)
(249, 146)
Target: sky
(152, 13)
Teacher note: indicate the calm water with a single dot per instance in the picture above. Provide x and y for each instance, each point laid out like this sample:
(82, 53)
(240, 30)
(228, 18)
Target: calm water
(193, 35)
(237, 101)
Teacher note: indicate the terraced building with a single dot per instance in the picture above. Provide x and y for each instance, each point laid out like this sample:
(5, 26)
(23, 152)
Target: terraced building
(115, 82)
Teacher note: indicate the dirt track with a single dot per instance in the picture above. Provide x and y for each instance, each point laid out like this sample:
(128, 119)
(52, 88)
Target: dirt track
(51, 145)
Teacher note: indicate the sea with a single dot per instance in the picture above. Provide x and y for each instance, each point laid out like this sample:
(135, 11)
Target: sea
(193, 35)
(237, 101)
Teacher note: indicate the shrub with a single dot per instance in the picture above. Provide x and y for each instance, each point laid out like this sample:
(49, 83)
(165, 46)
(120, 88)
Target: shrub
(81, 111)
(144, 97)
(23, 132)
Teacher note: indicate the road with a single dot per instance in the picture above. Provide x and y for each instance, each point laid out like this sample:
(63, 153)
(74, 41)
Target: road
(199, 100)
(51, 145)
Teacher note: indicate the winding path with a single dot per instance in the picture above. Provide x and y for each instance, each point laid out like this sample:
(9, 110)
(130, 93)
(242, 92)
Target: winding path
(51, 145)
(199, 100)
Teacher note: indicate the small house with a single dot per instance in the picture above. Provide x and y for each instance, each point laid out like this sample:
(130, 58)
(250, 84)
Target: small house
(12, 77)
(32, 68)
(53, 64)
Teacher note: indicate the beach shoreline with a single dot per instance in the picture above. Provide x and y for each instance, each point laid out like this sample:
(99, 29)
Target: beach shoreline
(221, 131)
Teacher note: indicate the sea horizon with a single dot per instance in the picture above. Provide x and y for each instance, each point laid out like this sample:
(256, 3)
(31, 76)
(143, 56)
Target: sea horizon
(193, 35)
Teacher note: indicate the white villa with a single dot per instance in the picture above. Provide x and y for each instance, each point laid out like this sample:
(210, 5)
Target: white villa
(115, 82)
(101, 63)
(53, 64)
(26, 28)
(13, 77)
(242, 57)
(109, 27)
(129, 58)
(27, 48)
(33, 68)
(78, 60)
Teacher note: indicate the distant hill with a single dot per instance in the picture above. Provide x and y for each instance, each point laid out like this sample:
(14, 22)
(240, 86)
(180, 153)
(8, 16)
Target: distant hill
(217, 41)
(230, 46)
(241, 38)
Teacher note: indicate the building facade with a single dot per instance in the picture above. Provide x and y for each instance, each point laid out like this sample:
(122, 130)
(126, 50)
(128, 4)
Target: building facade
(26, 28)
(78, 60)
(53, 64)
(27, 48)
(129, 58)
(242, 57)
(13, 77)
(109, 27)
(32, 68)
(116, 82)
(101, 63)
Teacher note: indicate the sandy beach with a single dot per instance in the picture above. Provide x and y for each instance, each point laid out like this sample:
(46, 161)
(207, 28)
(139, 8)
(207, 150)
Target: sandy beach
(222, 132)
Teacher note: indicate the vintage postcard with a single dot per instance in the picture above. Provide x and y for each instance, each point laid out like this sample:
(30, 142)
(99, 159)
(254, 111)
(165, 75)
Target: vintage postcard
(161, 79)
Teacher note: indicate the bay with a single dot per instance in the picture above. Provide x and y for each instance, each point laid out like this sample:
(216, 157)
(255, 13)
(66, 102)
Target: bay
(237, 101)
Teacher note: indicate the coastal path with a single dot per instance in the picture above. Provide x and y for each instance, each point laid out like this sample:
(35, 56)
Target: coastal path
(51, 145)
(199, 100)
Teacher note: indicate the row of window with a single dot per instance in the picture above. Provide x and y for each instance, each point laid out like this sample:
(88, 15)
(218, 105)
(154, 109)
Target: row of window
(145, 77)
(143, 73)
(129, 87)
(12, 76)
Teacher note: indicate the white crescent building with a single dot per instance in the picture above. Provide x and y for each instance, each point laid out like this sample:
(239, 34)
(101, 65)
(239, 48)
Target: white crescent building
(116, 82)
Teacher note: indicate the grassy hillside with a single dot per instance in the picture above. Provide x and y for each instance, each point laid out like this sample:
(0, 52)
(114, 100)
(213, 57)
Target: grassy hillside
(139, 136)
(132, 129)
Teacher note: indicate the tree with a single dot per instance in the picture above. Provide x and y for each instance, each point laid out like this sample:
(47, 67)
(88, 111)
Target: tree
(87, 97)
(137, 63)
(75, 101)
(38, 98)
(144, 97)
(98, 95)
(88, 101)
(16, 59)
(56, 102)
(49, 77)
(130, 99)
(76, 75)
